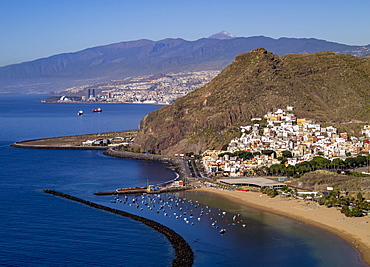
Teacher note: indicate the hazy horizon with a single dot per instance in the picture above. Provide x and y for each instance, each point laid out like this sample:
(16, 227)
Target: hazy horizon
(38, 29)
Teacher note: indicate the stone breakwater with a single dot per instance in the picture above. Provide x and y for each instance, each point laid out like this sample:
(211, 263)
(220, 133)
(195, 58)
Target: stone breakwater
(24, 144)
(179, 165)
(184, 254)
(72, 141)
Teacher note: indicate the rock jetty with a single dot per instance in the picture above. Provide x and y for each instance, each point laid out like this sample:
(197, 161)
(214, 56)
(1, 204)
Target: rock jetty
(184, 254)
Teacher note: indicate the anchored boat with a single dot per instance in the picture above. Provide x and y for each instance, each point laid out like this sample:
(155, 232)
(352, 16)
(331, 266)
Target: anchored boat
(222, 231)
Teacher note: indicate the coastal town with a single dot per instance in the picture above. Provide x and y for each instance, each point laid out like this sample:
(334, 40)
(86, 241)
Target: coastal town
(155, 89)
(281, 138)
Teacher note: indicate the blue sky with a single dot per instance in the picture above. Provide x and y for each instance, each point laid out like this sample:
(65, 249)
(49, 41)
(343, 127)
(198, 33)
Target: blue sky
(32, 29)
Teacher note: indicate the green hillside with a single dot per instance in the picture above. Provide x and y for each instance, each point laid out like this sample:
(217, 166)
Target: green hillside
(326, 87)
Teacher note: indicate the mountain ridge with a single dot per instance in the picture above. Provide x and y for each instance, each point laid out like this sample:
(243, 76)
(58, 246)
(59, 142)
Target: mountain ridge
(146, 57)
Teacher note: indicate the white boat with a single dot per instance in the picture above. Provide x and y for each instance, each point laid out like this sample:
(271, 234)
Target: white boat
(80, 113)
(97, 110)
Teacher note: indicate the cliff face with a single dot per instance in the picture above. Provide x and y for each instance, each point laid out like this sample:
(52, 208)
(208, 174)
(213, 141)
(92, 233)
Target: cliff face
(323, 86)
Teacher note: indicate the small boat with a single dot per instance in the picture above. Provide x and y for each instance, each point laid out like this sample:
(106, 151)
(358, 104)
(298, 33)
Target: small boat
(222, 231)
(97, 110)
(80, 113)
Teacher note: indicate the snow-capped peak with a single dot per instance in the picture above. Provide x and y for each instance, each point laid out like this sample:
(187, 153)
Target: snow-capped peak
(222, 35)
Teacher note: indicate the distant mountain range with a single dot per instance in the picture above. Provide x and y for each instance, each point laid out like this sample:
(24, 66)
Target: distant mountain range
(146, 57)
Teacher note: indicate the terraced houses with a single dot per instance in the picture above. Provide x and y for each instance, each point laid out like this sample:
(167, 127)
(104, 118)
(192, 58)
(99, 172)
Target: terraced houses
(282, 131)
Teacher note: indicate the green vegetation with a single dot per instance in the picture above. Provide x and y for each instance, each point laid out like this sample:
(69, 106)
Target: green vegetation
(240, 154)
(272, 192)
(286, 154)
(350, 207)
(317, 163)
(351, 212)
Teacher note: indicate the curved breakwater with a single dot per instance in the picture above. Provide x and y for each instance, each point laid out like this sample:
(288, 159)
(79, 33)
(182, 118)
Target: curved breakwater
(178, 163)
(22, 144)
(184, 254)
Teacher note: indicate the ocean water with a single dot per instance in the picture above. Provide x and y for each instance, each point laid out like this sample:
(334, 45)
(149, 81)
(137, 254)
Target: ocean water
(37, 229)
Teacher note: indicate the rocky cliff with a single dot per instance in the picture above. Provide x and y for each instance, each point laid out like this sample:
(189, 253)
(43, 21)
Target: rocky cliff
(324, 86)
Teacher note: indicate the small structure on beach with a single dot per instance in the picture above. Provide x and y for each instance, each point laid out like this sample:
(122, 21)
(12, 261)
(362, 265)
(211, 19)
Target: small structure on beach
(153, 188)
(178, 183)
(252, 182)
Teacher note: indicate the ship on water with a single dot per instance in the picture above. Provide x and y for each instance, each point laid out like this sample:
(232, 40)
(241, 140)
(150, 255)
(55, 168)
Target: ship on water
(80, 113)
(97, 110)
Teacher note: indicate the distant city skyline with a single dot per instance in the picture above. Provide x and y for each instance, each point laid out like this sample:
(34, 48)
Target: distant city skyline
(39, 28)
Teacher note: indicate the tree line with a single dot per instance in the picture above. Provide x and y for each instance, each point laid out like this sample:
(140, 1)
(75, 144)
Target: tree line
(296, 171)
(349, 206)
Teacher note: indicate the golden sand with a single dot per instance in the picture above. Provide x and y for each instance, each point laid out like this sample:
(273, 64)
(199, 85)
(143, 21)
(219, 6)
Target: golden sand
(355, 231)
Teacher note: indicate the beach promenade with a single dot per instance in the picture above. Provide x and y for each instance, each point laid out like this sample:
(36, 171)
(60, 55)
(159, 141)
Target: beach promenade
(355, 231)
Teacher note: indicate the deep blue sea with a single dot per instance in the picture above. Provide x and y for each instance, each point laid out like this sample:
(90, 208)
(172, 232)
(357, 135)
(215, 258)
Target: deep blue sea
(37, 229)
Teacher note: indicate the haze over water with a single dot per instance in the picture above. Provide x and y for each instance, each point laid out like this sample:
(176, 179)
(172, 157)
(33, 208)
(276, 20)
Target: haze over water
(39, 229)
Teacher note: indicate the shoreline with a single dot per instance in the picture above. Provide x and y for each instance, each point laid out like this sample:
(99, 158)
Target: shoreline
(98, 102)
(355, 231)
(73, 142)
(178, 164)
(327, 219)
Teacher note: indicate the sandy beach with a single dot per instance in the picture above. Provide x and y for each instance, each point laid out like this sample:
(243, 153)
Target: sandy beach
(355, 231)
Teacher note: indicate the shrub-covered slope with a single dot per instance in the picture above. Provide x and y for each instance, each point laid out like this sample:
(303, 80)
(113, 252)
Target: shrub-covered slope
(324, 86)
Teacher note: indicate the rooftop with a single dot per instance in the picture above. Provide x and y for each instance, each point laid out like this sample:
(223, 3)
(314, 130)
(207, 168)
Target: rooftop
(256, 182)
